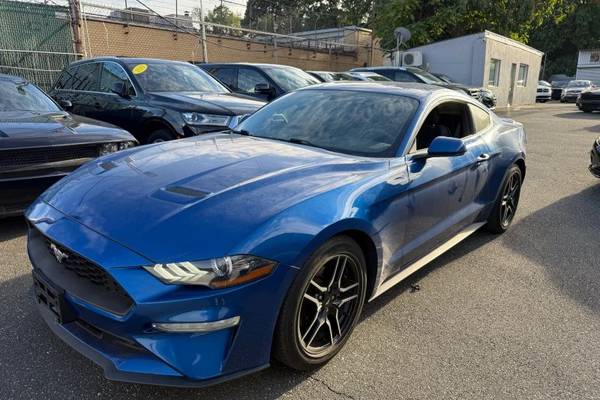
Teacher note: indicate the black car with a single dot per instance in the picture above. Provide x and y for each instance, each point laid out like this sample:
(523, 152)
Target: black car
(330, 76)
(589, 101)
(40, 143)
(263, 81)
(595, 159)
(155, 100)
(557, 88)
(484, 95)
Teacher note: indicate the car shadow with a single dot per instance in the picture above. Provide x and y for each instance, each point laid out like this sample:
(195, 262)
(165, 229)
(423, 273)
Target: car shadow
(575, 115)
(11, 228)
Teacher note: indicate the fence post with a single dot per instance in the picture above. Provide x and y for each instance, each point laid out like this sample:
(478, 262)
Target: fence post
(75, 11)
(203, 28)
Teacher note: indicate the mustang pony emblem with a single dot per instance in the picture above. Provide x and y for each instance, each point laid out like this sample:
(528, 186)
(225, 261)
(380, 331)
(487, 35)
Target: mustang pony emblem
(58, 254)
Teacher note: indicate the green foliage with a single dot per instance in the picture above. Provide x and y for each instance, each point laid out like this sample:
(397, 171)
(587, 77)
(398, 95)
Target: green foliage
(224, 16)
(558, 27)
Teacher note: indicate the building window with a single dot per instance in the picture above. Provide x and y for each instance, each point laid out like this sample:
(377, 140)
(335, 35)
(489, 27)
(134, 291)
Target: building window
(523, 70)
(494, 77)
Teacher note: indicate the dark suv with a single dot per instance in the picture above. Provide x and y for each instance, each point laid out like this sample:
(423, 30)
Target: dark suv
(263, 81)
(155, 100)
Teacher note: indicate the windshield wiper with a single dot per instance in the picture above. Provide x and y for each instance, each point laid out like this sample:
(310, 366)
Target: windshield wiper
(241, 132)
(302, 141)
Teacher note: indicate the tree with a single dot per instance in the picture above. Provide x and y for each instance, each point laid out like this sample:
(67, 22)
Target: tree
(224, 16)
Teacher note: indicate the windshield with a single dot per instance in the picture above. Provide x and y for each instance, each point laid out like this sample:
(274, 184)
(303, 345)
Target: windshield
(351, 122)
(174, 77)
(544, 83)
(426, 76)
(290, 78)
(578, 84)
(23, 96)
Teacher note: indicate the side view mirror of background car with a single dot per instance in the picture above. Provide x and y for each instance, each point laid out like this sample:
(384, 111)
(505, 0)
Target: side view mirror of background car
(65, 104)
(120, 88)
(443, 146)
(264, 88)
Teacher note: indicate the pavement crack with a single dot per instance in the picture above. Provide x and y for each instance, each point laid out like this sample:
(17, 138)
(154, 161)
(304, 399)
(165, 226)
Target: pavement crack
(322, 382)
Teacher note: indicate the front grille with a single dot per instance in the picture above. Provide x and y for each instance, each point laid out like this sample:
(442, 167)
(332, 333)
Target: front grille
(77, 275)
(85, 269)
(24, 157)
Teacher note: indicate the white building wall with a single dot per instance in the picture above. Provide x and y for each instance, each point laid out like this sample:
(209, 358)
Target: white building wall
(510, 53)
(466, 59)
(588, 65)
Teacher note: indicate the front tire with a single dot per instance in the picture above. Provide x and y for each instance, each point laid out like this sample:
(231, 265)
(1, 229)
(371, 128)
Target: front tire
(322, 306)
(160, 135)
(506, 204)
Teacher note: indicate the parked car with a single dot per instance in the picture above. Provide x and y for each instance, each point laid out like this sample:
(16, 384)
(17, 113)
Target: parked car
(595, 159)
(369, 76)
(329, 76)
(544, 92)
(557, 88)
(40, 143)
(573, 89)
(263, 81)
(155, 100)
(203, 258)
(484, 95)
(589, 100)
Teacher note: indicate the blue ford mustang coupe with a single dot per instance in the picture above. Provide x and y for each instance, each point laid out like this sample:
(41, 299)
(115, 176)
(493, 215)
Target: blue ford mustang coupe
(190, 262)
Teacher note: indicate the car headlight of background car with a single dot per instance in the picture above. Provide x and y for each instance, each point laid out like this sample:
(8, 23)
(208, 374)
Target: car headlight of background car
(108, 148)
(215, 273)
(193, 118)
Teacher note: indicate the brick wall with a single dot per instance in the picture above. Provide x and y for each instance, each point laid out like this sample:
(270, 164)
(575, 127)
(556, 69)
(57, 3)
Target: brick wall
(103, 37)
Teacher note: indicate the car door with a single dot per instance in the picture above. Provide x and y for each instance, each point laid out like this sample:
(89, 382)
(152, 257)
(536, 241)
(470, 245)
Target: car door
(84, 88)
(112, 107)
(247, 80)
(442, 189)
(227, 76)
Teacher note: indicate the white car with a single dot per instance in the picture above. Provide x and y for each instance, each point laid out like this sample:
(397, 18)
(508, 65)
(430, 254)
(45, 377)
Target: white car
(544, 92)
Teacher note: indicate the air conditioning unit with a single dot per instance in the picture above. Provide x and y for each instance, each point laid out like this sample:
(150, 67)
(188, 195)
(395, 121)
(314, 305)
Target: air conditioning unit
(412, 59)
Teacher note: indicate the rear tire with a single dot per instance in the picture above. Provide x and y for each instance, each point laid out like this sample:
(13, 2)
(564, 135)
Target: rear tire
(322, 306)
(506, 204)
(160, 135)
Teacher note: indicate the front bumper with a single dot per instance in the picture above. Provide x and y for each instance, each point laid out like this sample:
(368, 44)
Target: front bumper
(589, 104)
(19, 193)
(570, 98)
(127, 346)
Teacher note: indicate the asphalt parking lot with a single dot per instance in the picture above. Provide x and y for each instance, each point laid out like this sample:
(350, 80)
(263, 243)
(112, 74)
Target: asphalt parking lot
(511, 316)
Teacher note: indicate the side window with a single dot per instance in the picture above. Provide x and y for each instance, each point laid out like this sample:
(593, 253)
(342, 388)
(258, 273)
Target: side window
(86, 77)
(113, 73)
(248, 78)
(403, 76)
(388, 73)
(481, 118)
(450, 119)
(66, 78)
(225, 75)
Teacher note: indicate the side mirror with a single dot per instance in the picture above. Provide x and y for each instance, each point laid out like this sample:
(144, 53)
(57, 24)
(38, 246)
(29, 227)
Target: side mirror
(443, 146)
(65, 104)
(120, 88)
(264, 88)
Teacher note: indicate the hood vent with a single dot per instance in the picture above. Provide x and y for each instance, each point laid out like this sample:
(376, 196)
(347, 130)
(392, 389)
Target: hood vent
(184, 191)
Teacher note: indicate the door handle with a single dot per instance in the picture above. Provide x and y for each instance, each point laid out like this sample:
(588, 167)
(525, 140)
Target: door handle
(97, 105)
(482, 158)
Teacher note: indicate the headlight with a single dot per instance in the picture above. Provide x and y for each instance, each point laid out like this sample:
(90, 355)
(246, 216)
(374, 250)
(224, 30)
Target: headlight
(126, 145)
(193, 118)
(216, 273)
(108, 148)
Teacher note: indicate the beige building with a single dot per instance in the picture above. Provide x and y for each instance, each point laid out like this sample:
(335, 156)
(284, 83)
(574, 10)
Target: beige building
(507, 67)
(103, 37)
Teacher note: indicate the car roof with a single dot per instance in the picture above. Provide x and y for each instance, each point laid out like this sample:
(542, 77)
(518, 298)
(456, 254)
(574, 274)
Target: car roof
(128, 60)
(419, 91)
(259, 65)
(378, 68)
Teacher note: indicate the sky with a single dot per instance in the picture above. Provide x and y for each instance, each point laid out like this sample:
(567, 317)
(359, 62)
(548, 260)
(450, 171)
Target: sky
(168, 6)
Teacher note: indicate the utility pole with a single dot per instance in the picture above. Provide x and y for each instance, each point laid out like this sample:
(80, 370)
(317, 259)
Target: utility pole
(75, 11)
(203, 27)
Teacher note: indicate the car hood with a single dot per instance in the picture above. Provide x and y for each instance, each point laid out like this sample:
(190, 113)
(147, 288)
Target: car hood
(25, 128)
(218, 103)
(164, 201)
(574, 90)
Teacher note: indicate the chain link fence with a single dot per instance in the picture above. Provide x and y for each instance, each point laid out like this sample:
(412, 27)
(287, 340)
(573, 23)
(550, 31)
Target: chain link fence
(35, 40)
